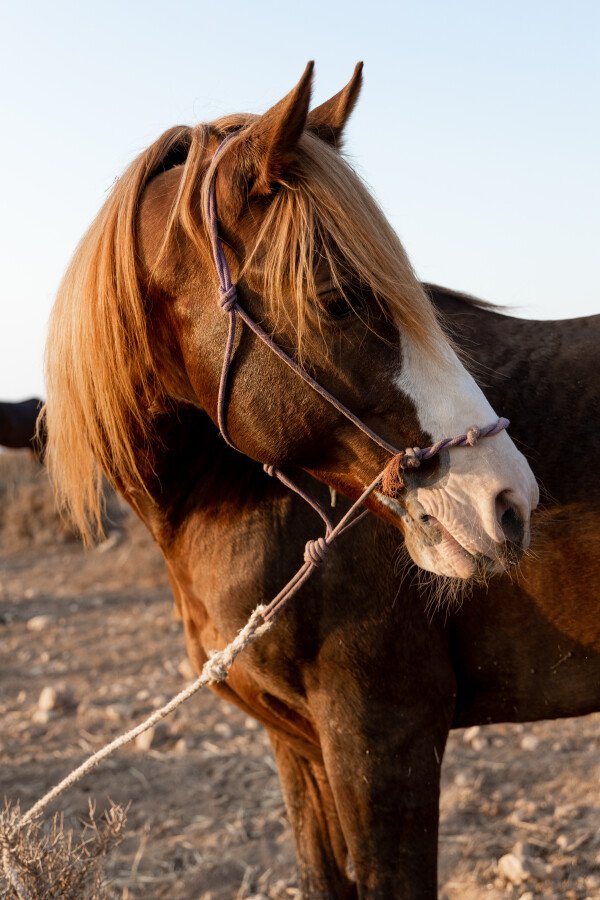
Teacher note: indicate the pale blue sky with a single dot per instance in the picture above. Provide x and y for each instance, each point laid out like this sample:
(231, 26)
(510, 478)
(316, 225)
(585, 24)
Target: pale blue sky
(478, 130)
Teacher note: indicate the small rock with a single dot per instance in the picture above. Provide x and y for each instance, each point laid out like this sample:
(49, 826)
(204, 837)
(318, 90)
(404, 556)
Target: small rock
(186, 669)
(511, 867)
(144, 740)
(529, 742)
(38, 623)
(224, 730)
(21, 697)
(250, 723)
(526, 896)
(144, 694)
(54, 698)
(566, 811)
(43, 716)
(48, 698)
(461, 779)
(471, 733)
(154, 737)
(83, 707)
(116, 712)
(592, 882)
(182, 746)
(159, 701)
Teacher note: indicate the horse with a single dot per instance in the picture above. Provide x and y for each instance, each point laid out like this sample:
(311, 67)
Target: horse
(356, 690)
(18, 423)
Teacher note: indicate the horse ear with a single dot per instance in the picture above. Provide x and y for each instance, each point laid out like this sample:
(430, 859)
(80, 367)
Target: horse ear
(329, 120)
(275, 134)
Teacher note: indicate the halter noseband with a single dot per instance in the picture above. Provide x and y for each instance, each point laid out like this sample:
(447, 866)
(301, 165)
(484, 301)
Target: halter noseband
(409, 458)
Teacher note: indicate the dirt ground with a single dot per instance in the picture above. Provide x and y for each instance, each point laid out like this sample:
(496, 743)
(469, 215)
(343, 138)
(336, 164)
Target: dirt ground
(520, 804)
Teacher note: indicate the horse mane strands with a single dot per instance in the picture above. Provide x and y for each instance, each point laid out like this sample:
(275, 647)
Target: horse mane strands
(100, 375)
(325, 212)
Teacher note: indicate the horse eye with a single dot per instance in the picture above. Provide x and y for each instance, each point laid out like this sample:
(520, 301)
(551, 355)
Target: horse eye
(352, 303)
(340, 309)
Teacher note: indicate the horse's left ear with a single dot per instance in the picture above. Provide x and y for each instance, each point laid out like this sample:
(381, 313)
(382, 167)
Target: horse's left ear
(274, 135)
(329, 120)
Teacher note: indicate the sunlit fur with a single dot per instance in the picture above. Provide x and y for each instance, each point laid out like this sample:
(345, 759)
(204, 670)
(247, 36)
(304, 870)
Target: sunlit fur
(102, 378)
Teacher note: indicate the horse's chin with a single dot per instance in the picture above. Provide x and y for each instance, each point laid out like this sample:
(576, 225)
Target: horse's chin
(433, 548)
(447, 557)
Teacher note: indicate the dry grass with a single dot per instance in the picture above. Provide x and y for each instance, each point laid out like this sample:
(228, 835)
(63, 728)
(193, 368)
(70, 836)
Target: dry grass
(45, 862)
(28, 513)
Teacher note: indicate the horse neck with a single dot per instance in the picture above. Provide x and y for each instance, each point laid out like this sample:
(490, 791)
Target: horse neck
(194, 473)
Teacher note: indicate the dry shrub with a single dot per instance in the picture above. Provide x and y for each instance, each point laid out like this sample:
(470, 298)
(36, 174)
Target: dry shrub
(45, 862)
(28, 513)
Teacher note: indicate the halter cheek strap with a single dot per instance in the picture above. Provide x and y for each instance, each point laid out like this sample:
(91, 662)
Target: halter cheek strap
(409, 458)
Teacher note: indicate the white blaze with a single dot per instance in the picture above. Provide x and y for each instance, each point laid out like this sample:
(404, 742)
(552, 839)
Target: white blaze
(448, 401)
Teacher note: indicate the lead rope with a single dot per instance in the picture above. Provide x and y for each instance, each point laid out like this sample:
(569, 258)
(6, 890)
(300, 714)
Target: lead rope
(215, 669)
(217, 666)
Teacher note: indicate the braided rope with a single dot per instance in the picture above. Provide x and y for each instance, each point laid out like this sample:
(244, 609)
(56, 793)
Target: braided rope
(215, 670)
(217, 666)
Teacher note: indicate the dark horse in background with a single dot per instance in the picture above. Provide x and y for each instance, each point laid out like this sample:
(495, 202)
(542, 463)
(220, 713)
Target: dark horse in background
(358, 682)
(18, 426)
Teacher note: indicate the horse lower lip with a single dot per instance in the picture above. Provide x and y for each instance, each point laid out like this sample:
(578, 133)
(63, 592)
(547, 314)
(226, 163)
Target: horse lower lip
(448, 542)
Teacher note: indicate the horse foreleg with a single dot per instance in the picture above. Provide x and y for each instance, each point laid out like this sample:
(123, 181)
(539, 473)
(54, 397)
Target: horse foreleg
(383, 719)
(386, 790)
(320, 846)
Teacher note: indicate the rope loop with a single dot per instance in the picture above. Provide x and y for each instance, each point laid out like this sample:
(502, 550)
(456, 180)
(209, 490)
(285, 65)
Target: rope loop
(316, 551)
(228, 298)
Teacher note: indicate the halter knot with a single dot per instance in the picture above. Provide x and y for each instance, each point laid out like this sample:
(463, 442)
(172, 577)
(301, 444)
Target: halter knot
(316, 551)
(270, 470)
(228, 298)
(410, 458)
(473, 435)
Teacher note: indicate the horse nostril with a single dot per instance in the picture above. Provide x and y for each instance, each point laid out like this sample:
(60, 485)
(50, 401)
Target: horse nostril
(512, 526)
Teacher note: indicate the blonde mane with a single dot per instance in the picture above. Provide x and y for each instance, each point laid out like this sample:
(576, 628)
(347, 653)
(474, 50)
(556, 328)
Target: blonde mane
(102, 378)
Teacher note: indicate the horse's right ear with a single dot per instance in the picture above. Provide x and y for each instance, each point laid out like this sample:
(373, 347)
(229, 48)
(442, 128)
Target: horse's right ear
(329, 120)
(272, 138)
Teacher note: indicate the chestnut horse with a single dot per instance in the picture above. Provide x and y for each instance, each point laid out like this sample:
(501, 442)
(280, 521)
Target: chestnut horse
(356, 686)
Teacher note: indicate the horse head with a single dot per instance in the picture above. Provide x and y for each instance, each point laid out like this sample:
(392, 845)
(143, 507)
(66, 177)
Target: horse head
(319, 267)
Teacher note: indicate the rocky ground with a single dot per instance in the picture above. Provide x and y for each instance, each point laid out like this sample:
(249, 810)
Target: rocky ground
(90, 645)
